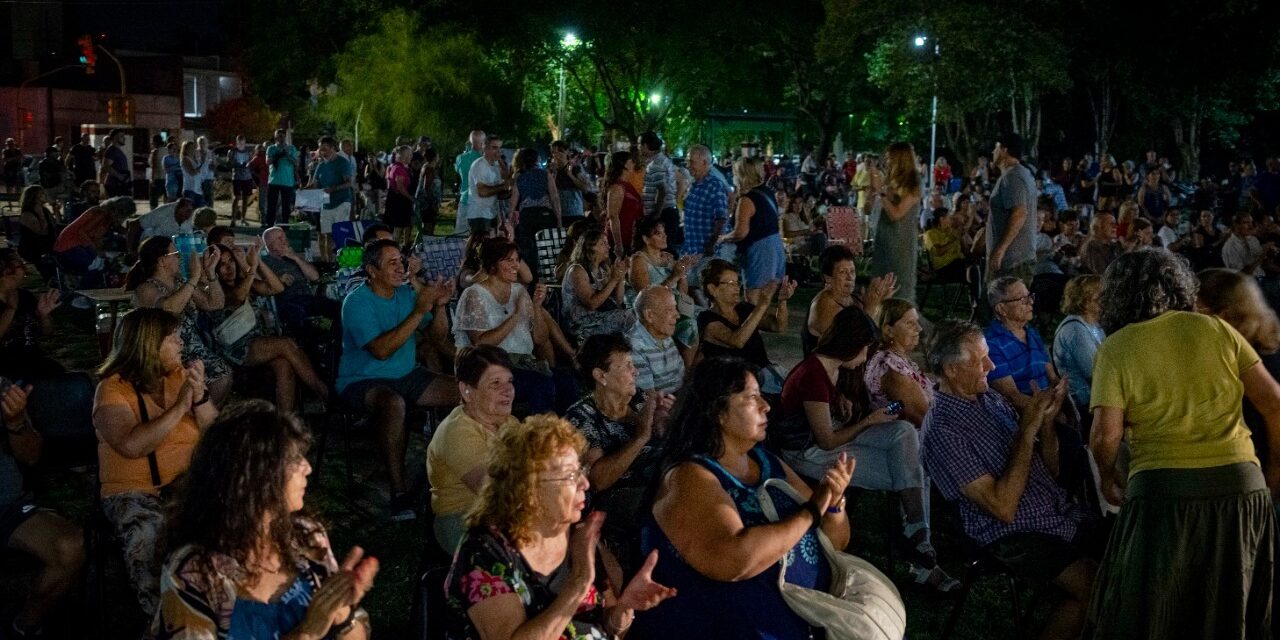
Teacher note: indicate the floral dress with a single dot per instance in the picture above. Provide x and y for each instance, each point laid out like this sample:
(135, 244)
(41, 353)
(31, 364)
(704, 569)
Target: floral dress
(609, 317)
(488, 565)
(195, 342)
(886, 360)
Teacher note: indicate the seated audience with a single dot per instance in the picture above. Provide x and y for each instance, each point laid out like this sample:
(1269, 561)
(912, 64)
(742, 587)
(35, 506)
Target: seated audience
(592, 290)
(38, 229)
(1207, 238)
(239, 333)
(839, 277)
(166, 220)
(149, 412)
(24, 322)
(625, 434)
(982, 456)
(459, 448)
(378, 370)
(945, 248)
(1101, 248)
(891, 375)
(1171, 235)
(658, 357)
(1236, 298)
(1018, 354)
(245, 562)
(1076, 341)
(470, 267)
(731, 326)
(518, 572)
(56, 544)
(825, 419)
(1242, 250)
(156, 281)
(1197, 508)
(1069, 233)
(298, 301)
(498, 310)
(799, 226)
(90, 194)
(652, 265)
(716, 546)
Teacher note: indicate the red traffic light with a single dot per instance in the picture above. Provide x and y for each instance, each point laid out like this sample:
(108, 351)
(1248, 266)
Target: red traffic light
(87, 55)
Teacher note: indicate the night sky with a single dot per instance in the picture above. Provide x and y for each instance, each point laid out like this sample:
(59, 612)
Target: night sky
(191, 27)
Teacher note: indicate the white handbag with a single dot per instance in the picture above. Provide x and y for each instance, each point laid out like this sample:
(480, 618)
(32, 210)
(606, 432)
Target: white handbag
(237, 325)
(863, 604)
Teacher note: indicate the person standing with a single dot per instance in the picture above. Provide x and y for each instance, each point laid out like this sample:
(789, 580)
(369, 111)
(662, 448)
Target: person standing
(282, 161)
(156, 163)
(756, 230)
(172, 172)
(191, 173)
(206, 171)
(1011, 229)
(897, 231)
(83, 160)
(706, 209)
(486, 184)
(333, 174)
(117, 170)
(462, 165)
(241, 180)
(398, 213)
(660, 189)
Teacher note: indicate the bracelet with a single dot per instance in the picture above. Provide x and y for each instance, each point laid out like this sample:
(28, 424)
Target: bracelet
(203, 399)
(357, 616)
(837, 508)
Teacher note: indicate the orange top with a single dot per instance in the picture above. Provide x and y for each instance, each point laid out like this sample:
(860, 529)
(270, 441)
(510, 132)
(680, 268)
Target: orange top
(120, 474)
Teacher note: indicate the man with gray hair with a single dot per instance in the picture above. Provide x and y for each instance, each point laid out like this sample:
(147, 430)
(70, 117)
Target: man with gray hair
(462, 164)
(706, 209)
(1000, 470)
(659, 365)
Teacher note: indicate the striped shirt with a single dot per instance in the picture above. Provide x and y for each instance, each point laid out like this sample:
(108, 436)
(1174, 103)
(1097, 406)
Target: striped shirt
(658, 362)
(963, 440)
(659, 174)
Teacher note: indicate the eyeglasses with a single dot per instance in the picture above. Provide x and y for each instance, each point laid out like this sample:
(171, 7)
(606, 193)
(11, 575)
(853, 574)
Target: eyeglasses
(572, 478)
(1029, 298)
(173, 253)
(731, 283)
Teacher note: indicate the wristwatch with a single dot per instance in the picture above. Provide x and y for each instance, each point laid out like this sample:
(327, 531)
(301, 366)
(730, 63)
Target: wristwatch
(837, 507)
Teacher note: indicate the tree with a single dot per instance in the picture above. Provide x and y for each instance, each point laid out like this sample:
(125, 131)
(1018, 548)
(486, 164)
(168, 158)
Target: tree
(248, 116)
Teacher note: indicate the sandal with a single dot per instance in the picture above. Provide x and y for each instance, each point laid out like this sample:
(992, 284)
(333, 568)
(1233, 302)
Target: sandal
(934, 578)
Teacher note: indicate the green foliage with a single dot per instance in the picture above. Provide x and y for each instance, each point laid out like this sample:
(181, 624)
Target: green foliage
(248, 116)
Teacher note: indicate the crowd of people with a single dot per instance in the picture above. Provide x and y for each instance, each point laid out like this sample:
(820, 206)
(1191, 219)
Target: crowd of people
(607, 439)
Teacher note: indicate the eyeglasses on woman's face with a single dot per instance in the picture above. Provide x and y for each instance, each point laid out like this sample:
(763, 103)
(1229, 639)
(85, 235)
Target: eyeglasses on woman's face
(570, 477)
(1030, 298)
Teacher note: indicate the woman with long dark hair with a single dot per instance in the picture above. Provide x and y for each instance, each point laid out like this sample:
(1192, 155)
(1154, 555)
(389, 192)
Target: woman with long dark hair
(898, 231)
(592, 290)
(625, 206)
(246, 562)
(39, 229)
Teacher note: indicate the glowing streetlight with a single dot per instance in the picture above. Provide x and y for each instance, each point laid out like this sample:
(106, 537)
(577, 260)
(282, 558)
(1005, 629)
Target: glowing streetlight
(569, 42)
(655, 99)
(920, 41)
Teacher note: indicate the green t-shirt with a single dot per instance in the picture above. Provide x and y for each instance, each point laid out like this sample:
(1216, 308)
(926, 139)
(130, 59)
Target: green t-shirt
(1177, 378)
(282, 163)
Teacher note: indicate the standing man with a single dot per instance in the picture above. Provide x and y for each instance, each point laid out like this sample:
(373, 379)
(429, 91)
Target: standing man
(282, 162)
(1011, 246)
(83, 160)
(13, 182)
(333, 174)
(462, 165)
(485, 186)
(347, 149)
(660, 190)
(571, 182)
(116, 167)
(706, 209)
(156, 164)
(206, 171)
(241, 180)
(172, 172)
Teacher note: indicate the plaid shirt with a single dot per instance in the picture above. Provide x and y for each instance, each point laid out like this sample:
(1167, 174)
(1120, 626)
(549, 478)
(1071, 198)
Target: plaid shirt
(964, 440)
(1025, 362)
(706, 203)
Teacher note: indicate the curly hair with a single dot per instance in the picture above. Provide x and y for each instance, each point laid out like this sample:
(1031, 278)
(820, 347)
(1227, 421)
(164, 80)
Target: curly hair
(238, 475)
(1141, 285)
(509, 498)
(1077, 292)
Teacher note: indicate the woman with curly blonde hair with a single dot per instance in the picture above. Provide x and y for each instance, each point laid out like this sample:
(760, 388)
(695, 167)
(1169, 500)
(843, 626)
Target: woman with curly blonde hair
(517, 571)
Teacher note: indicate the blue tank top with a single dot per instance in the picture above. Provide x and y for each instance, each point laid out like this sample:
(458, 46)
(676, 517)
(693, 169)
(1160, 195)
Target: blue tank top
(764, 222)
(533, 188)
(254, 620)
(751, 608)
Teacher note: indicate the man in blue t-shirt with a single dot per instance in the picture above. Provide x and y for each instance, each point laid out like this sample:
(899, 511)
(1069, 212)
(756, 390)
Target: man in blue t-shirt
(333, 174)
(379, 370)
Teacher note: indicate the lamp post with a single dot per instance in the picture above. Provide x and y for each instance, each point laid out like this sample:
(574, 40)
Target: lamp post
(568, 42)
(920, 43)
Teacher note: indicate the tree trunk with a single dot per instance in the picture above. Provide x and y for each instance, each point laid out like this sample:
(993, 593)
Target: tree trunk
(1186, 136)
(1104, 116)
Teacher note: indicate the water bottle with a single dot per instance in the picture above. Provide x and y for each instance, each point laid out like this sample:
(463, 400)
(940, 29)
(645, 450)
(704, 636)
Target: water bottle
(186, 243)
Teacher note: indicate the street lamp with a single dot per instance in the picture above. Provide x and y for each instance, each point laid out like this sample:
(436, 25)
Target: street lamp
(655, 99)
(920, 42)
(567, 43)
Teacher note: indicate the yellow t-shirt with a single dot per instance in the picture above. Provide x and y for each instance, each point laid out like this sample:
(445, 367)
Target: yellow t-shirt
(459, 445)
(943, 247)
(1177, 378)
(862, 181)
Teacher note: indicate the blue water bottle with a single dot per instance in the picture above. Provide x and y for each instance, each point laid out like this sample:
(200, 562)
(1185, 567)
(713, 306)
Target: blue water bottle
(186, 243)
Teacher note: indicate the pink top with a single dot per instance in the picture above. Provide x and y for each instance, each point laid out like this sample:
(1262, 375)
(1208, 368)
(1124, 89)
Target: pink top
(886, 360)
(396, 172)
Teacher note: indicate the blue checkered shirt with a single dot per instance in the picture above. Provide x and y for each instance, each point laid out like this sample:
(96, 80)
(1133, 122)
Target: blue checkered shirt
(963, 440)
(706, 203)
(1025, 362)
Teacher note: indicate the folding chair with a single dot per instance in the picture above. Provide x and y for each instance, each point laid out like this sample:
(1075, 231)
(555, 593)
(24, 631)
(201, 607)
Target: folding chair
(844, 226)
(549, 243)
(346, 231)
(441, 255)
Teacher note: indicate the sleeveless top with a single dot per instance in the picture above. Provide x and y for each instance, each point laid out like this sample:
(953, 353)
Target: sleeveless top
(751, 608)
(897, 250)
(532, 184)
(630, 213)
(764, 222)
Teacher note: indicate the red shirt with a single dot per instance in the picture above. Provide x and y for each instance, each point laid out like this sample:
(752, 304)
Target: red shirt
(258, 167)
(630, 213)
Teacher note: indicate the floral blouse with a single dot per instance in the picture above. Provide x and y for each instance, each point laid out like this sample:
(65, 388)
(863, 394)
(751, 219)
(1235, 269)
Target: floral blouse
(886, 360)
(488, 565)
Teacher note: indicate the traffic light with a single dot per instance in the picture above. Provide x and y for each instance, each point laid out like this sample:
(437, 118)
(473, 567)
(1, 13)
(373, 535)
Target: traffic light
(28, 119)
(120, 110)
(87, 56)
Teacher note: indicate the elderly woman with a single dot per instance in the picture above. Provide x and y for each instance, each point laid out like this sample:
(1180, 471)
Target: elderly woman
(518, 572)
(1237, 298)
(898, 231)
(651, 264)
(592, 291)
(731, 327)
(1192, 463)
(755, 229)
(1076, 341)
(891, 375)
(148, 412)
(156, 281)
(625, 436)
(498, 310)
(717, 547)
(839, 277)
(1018, 352)
(246, 563)
(398, 213)
(825, 419)
(460, 445)
(239, 334)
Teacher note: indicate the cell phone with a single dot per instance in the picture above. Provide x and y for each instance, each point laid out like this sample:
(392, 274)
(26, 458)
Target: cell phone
(894, 408)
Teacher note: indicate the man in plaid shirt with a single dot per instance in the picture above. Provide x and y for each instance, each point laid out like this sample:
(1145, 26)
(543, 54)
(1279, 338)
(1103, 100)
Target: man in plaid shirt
(706, 209)
(1000, 470)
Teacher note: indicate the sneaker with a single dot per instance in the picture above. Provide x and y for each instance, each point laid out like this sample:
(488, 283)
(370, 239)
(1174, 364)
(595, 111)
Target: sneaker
(402, 508)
